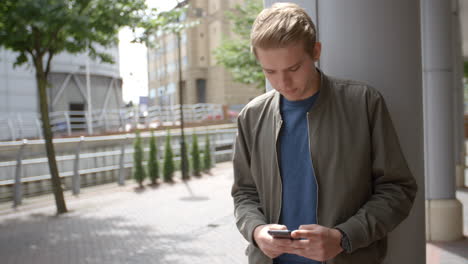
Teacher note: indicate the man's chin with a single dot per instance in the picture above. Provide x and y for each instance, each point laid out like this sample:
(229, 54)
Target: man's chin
(293, 98)
(290, 95)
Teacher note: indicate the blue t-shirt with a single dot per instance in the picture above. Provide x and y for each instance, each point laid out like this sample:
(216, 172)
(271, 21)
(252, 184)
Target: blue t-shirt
(299, 196)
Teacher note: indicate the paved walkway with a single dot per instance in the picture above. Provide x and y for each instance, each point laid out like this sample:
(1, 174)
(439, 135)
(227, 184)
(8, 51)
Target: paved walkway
(182, 223)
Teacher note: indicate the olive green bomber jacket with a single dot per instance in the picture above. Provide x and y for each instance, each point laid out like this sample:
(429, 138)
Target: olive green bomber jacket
(365, 187)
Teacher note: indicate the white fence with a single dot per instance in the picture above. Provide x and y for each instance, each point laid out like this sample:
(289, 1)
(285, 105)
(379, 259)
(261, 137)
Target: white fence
(69, 123)
(93, 160)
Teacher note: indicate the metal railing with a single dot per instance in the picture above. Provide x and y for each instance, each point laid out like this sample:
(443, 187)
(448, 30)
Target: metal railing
(19, 126)
(69, 123)
(111, 160)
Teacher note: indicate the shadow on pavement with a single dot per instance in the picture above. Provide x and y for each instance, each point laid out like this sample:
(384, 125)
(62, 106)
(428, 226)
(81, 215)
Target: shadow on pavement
(458, 248)
(73, 238)
(191, 195)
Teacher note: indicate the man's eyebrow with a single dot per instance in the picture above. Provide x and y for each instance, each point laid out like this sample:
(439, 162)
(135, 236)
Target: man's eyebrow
(287, 68)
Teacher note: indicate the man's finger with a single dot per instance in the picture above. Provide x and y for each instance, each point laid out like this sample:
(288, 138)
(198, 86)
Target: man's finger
(308, 227)
(279, 249)
(282, 242)
(309, 234)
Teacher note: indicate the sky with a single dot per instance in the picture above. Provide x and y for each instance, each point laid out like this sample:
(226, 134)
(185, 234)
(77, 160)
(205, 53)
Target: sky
(133, 59)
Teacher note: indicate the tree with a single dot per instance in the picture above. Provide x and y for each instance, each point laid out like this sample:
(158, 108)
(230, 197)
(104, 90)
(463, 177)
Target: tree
(139, 173)
(40, 29)
(167, 22)
(234, 53)
(171, 22)
(168, 168)
(153, 164)
(195, 156)
(207, 164)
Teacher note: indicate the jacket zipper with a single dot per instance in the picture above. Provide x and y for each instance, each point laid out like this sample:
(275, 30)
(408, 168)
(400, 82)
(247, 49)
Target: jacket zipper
(313, 170)
(278, 212)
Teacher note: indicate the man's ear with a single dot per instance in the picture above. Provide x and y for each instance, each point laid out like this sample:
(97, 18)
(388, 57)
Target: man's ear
(317, 51)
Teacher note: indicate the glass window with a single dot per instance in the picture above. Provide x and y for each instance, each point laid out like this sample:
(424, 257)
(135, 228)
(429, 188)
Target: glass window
(152, 93)
(185, 61)
(201, 91)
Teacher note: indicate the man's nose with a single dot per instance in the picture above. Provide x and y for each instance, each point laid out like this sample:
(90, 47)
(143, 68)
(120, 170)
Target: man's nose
(285, 80)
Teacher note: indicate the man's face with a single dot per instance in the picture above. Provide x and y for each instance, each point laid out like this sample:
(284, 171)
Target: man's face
(290, 70)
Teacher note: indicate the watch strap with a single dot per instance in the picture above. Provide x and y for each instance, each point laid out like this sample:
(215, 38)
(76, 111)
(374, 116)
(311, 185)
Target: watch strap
(345, 245)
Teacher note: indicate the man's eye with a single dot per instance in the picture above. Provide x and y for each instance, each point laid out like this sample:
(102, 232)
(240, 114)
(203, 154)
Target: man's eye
(294, 69)
(269, 72)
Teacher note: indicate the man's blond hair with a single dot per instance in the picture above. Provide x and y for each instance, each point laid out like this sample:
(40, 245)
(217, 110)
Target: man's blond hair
(283, 24)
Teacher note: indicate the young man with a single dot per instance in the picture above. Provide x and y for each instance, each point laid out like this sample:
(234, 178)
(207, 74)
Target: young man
(316, 155)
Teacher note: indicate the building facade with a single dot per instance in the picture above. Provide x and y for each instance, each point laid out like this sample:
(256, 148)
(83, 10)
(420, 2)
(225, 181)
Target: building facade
(68, 91)
(203, 80)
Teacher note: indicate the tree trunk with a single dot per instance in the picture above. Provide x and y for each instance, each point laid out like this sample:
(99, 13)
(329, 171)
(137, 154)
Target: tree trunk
(41, 80)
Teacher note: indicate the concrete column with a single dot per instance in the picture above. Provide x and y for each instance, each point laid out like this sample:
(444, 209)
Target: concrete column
(443, 211)
(122, 171)
(379, 42)
(458, 95)
(18, 186)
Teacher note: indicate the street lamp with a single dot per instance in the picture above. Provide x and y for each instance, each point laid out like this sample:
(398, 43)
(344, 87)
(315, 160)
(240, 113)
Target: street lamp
(88, 94)
(183, 149)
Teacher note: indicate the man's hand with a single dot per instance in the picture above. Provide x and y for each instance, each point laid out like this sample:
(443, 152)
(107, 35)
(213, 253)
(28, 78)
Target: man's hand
(319, 243)
(270, 246)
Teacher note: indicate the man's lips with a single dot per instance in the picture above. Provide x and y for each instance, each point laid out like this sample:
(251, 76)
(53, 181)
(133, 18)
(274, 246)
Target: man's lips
(289, 91)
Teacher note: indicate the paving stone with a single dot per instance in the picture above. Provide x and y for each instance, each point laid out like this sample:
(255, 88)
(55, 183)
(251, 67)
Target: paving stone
(189, 222)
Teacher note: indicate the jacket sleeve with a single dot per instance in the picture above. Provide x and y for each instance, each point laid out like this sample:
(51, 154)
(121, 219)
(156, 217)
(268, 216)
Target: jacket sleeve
(247, 207)
(394, 188)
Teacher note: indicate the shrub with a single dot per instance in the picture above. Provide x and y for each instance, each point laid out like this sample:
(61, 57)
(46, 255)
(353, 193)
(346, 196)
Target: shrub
(169, 167)
(187, 164)
(207, 164)
(195, 156)
(139, 173)
(153, 164)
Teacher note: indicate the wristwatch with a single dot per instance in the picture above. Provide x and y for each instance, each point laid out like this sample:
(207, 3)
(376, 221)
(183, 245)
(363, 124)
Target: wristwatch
(344, 243)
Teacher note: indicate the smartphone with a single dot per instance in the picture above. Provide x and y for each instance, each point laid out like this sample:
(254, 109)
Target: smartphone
(283, 234)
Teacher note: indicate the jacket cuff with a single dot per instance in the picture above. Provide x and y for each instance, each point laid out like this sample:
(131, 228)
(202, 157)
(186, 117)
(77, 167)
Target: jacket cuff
(356, 233)
(250, 227)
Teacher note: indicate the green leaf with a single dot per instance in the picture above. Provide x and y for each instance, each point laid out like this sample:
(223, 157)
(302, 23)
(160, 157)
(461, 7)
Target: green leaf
(74, 26)
(167, 22)
(234, 53)
(21, 59)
